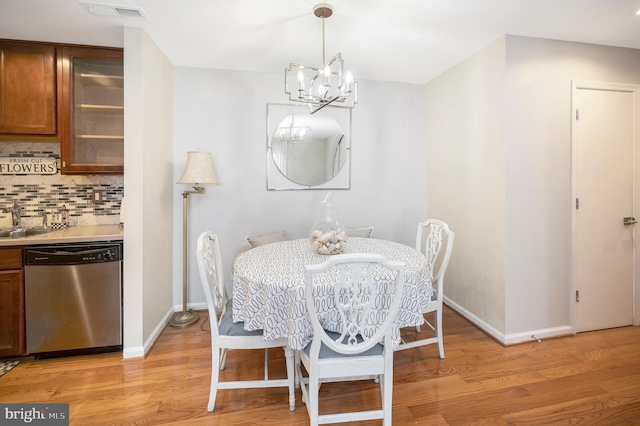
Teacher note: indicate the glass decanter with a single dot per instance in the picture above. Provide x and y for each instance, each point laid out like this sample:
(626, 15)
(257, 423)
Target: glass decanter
(327, 235)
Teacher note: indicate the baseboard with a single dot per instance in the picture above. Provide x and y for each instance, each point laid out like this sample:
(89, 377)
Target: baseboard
(200, 306)
(534, 335)
(513, 338)
(142, 351)
(492, 332)
(132, 353)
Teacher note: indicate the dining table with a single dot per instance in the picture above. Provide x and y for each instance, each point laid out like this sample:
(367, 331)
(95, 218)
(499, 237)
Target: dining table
(269, 287)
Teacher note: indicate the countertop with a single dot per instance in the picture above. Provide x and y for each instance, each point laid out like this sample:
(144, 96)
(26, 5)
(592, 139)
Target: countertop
(72, 234)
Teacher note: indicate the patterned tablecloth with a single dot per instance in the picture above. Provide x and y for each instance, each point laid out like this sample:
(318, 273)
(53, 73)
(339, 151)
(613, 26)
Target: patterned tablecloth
(269, 290)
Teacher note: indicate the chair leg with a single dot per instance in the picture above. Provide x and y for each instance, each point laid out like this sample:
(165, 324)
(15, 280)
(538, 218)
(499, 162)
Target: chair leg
(223, 358)
(297, 368)
(215, 375)
(312, 403)
(290, 358)
(418, 327)
(387, 395)
(299, 380)
(438, 326)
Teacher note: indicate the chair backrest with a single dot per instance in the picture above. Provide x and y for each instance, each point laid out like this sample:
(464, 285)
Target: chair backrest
(211, 274)
(360, 232)
(367, 291)
(429, 240)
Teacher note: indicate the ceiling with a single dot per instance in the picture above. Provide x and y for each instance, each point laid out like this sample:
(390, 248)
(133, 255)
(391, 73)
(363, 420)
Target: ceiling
(409, 41)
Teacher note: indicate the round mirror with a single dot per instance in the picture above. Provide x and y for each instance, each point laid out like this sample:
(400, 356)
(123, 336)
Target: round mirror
(309, 149)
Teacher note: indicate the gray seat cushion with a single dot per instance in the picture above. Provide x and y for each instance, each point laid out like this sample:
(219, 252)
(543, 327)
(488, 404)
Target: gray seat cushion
(229, 328)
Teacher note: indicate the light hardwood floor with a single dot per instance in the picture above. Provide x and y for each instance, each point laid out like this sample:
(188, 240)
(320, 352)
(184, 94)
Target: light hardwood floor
(588, 379)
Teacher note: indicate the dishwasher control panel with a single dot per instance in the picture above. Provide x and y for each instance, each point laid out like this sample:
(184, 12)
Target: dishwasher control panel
(69, 254)
(105, 255)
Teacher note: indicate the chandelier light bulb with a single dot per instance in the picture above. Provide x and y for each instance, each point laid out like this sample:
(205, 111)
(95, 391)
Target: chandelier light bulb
(327, 76)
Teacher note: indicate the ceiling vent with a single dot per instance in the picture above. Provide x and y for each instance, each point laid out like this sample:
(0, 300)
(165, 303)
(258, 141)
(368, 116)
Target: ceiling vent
(114, 11)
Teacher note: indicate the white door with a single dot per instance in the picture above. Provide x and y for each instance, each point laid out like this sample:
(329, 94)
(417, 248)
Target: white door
(603, 125)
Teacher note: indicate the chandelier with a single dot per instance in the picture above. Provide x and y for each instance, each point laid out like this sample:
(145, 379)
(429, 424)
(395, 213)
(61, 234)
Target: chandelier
(319, 87)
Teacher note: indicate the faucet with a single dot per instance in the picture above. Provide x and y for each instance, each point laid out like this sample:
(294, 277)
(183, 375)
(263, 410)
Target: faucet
(44, 219)
(16, 214)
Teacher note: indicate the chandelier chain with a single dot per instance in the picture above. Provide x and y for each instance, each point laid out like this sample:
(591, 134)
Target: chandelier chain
(324, 62)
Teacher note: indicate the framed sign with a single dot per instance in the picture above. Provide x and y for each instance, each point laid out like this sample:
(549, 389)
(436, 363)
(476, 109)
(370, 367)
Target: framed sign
(28, 166)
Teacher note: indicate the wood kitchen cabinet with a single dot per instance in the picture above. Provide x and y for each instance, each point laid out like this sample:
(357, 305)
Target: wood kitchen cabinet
(28, 89)
(92, 105)
(12, 319)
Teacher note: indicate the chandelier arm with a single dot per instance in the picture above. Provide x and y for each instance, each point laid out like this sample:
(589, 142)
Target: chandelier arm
(330, 101)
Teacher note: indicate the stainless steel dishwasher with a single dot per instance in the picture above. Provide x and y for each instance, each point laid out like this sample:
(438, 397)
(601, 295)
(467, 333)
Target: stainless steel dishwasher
(73, 298)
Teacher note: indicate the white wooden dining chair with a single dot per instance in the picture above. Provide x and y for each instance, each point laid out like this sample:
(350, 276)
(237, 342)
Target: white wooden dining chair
(430, 240)
(225, 334)
(367, 297)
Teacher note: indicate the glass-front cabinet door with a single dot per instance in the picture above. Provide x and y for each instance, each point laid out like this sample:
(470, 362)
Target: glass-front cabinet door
(92, 140)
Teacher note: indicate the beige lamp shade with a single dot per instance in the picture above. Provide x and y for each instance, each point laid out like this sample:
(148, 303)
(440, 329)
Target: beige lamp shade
(199, 168)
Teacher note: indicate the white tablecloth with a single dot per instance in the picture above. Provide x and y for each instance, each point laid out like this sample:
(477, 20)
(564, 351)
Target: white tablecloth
(269, 288)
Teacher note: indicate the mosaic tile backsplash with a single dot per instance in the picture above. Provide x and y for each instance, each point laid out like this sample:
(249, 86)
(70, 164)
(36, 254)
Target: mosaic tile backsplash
(48, 193)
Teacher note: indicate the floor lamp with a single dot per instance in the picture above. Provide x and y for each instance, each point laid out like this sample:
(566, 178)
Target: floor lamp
(199, 170)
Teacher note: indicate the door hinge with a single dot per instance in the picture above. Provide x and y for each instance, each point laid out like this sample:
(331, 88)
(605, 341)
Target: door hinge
(577, 295)
(577, 203)
(577, 114)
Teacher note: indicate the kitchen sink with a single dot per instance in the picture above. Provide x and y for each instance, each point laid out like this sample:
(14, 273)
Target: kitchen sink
(23, 232)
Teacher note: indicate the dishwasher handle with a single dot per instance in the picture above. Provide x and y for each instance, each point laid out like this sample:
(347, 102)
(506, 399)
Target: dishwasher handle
(62, 252)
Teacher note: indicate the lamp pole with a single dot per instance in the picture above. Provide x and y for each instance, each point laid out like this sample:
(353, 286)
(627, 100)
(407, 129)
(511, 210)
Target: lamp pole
(186, 317)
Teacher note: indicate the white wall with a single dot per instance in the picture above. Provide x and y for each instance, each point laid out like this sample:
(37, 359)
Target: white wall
(148, 179)
(539, 203)
(466, 180)
(224, 112)
(499, 140)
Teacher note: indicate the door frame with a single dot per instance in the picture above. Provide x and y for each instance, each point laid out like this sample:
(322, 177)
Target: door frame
(616, 87)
